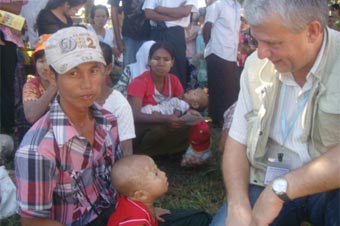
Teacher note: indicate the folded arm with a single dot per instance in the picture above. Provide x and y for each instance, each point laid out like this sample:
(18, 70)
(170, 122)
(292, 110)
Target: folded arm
(153, 15)
(177, 12)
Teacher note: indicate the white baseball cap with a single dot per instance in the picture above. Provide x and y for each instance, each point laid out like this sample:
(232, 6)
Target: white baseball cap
(69, 47)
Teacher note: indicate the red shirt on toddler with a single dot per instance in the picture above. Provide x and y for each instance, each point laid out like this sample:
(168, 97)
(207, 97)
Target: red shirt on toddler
(131, 213)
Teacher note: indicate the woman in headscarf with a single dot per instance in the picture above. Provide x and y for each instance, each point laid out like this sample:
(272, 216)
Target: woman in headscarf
(131, 71)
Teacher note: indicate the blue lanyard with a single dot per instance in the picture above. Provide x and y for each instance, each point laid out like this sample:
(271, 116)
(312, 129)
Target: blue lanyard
(284, 129)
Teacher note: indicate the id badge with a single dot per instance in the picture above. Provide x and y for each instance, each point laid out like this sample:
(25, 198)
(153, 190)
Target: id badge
(274, 170)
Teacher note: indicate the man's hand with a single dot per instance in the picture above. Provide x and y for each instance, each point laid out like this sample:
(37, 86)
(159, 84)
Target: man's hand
(116, 52)
(267, 208)
(120, 46)
(239, 215)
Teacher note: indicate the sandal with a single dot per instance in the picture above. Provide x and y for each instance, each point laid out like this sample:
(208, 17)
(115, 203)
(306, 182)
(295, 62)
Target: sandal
(192, 158)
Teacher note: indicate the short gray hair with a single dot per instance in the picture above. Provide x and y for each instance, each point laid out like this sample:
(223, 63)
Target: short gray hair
(295, 14)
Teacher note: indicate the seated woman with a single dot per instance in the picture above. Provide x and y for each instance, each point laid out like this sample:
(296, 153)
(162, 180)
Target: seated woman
(158, 134)
(131, 71)
(38, 91)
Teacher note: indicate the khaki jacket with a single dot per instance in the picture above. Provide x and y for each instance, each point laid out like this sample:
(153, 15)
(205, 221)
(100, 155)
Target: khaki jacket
(322, 121)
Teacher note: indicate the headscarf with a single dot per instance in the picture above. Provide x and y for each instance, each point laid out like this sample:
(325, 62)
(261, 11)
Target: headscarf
(142, 57)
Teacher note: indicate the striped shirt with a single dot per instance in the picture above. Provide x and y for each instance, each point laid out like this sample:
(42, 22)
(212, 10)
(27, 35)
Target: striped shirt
(59, 175)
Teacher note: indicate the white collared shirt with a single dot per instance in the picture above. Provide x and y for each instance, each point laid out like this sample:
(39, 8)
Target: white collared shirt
(183, 22)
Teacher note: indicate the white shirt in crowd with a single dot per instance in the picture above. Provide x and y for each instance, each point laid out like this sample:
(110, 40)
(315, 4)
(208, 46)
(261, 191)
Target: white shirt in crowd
(117, 104)
(109, 38)
(183, 22)
(225, 18)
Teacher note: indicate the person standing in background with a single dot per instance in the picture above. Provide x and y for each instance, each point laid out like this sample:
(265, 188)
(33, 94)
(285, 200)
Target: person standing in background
(169, 18)
(57, 15)
(30, 11)
(10, 40)
(221, 36)
(191, 33)
(135, 29)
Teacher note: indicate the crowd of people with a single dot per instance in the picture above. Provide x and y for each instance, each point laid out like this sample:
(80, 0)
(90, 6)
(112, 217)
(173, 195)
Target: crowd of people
(265, 72)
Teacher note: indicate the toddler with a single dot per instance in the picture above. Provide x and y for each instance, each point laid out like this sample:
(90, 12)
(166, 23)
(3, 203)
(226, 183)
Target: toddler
(140, 182)
(196, 99)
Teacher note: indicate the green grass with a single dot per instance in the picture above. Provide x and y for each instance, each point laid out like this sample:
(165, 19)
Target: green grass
(199, 187)
(11, 221)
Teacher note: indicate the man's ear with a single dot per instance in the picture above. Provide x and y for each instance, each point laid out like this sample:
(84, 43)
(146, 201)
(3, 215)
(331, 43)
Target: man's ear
(314, 31)
(108, 69)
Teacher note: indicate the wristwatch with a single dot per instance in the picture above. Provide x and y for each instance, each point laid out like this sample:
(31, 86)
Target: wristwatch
(279, 187)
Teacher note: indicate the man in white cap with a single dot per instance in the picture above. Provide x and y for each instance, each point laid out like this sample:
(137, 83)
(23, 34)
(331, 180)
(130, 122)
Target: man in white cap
(63, 164)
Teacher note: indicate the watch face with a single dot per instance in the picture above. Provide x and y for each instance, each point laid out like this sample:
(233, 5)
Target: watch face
(280, 185)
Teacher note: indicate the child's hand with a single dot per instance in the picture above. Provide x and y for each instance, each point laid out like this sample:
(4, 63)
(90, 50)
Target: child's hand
(160, 212)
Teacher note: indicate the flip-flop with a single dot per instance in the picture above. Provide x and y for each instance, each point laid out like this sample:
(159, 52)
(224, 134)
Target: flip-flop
(192, 158)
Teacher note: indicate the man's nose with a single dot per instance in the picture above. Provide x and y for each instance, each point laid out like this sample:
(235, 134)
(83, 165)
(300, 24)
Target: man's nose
(86, 81)
(263, 51)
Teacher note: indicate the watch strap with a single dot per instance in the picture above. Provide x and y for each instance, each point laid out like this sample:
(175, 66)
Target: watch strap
(283, 196)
